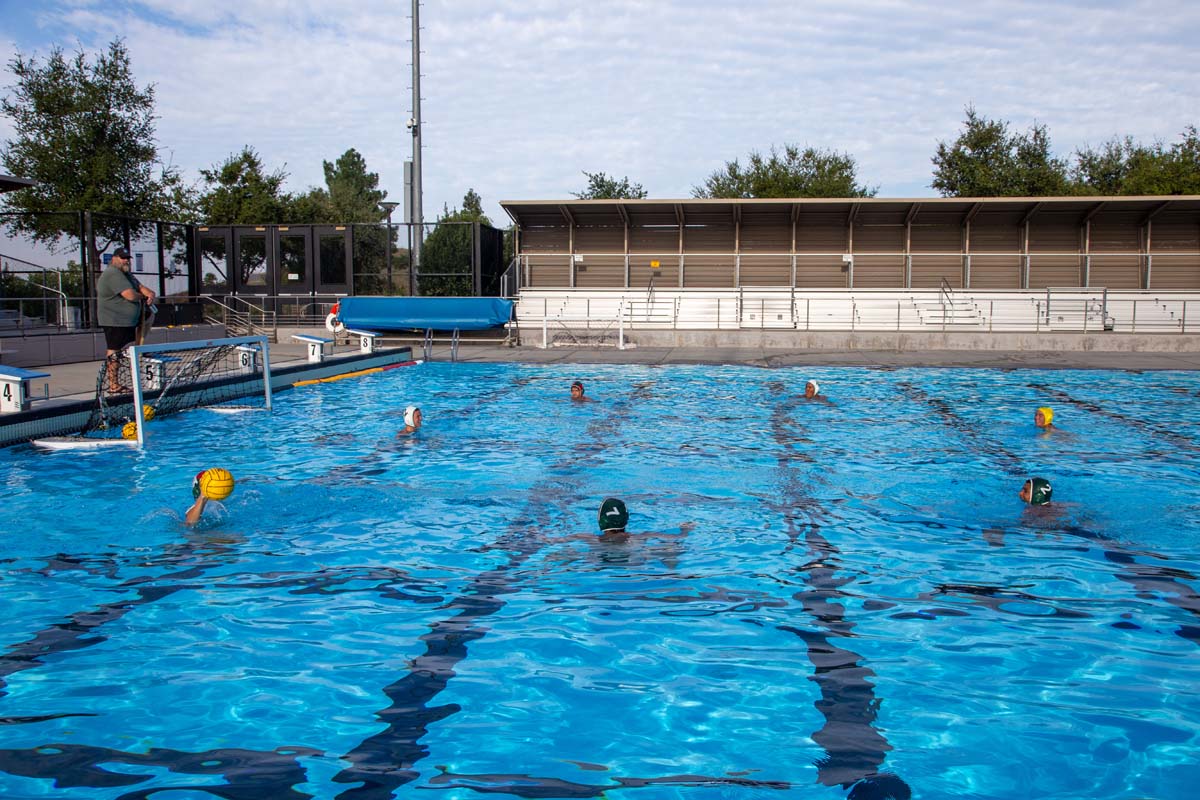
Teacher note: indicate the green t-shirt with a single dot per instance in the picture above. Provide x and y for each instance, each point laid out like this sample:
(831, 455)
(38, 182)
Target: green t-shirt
(114, 311)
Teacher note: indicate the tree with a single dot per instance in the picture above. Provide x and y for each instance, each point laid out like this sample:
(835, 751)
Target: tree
(1125, 167)
(602, 187)
(1104, 171)
(446, 254)
(987, 161)
(85, 132)
(354, 194)
(239, 191)
(794, 173)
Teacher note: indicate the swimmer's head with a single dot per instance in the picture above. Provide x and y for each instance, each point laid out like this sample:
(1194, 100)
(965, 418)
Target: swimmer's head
(576, 390)
(1037, 492)
(812, 389)
(412, 417)
(1043, 417)
(613, 515)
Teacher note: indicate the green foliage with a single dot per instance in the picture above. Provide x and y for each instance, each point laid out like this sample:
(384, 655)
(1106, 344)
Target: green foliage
(85, 132)
(1125, 167)
(353, 193)
(794, 173)
(240, 192)
(603, 187)
(446, 253)
(988, 161)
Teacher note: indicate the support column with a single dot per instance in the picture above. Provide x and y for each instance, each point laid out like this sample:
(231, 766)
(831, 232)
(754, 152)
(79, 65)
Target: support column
(1087, 252)
(795, 221)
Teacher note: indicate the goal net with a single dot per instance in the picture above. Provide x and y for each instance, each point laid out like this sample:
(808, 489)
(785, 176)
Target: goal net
(143, 383)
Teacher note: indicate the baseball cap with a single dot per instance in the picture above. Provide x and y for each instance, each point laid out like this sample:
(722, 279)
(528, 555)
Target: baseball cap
(121, 252)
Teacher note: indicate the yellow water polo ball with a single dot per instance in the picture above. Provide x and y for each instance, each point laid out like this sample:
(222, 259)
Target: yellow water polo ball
(129, 430)
(216, 483)
(148, 412)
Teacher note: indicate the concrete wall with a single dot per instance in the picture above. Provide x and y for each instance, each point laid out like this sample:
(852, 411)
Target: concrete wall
(908, 341)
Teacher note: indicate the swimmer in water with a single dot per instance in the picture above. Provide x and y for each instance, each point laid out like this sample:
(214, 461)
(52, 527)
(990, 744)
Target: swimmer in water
(613, 519)
(812, 391)
(1044, 419)
(1036, 492)
(412, 421)
(577, 394)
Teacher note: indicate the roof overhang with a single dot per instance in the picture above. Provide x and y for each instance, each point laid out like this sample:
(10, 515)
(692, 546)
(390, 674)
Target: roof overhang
(8, 183)
(726, 211)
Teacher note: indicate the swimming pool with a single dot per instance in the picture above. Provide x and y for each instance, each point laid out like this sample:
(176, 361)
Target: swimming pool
(837, 600)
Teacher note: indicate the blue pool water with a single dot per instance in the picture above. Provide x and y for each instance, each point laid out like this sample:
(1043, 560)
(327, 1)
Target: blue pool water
(820, 601)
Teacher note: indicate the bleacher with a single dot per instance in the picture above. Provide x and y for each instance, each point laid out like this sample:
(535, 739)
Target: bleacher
(603, 314)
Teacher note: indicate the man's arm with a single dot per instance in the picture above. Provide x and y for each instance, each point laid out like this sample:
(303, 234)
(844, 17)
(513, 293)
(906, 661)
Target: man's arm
(145, 291)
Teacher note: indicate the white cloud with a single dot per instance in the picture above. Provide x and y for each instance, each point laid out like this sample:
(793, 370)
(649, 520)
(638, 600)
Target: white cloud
(520, 97)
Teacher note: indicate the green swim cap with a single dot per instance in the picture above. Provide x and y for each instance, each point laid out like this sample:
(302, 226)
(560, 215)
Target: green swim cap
(613, 515)
(1039, 492)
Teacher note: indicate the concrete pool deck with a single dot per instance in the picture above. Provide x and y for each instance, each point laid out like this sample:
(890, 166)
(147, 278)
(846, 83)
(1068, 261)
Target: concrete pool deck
(782, 357)
(78, 381)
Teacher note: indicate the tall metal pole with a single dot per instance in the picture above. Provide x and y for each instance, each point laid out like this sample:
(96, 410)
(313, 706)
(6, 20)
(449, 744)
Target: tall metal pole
(390, 207)
(418, 217)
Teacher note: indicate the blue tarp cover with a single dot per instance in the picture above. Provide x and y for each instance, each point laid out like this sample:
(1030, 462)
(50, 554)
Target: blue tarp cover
(420, 313)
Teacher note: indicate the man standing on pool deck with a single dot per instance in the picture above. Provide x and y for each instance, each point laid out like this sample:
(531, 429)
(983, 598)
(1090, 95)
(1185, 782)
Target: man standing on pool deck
(119, 299)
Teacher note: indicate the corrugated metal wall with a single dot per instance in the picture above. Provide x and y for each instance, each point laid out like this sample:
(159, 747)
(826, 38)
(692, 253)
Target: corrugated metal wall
(1174, 245)
(1055, 243)
(979, 244)
(937, 243)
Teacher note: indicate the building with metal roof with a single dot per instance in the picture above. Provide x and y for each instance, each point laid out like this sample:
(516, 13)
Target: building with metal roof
(1021, 243)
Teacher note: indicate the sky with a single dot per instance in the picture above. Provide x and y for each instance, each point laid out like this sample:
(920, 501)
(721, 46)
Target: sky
(520, 97)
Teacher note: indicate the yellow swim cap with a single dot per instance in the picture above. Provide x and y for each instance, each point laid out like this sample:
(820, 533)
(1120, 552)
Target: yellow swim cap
(1047, 413)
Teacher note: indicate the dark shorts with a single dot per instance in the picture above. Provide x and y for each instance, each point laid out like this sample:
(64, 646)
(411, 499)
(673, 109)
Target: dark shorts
(117, 338)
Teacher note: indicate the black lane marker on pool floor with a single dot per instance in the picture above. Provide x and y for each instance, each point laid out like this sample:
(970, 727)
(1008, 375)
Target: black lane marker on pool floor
(1158, 581)
(1008, 461)
(384, 762)
(532, 786)
(248, 774)
(854, 749)
(78, 632)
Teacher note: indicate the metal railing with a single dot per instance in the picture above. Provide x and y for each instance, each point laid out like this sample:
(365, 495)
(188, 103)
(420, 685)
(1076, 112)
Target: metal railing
(1098, 311)
(243, 318)
(511, 279)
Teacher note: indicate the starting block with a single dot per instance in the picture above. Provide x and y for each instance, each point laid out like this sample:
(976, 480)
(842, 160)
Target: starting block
(366, 340)
(14, 388)
(154, 371)
(248, 358)
(316, 346)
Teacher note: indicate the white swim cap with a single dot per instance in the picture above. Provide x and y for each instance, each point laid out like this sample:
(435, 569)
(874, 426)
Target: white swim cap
(816, 387)
(410, 415)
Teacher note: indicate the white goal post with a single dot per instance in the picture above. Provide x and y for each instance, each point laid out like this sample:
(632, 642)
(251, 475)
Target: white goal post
(155, 375)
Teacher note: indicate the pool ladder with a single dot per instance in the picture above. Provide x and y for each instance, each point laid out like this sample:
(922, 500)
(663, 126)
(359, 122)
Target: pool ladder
(428, 345)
